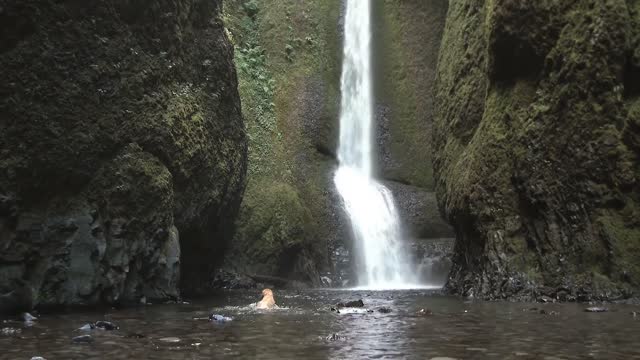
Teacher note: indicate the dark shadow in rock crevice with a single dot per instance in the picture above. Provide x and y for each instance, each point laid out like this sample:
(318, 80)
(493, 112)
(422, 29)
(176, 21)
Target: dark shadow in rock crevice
(514, 59)
(15, 27)
(632, 80)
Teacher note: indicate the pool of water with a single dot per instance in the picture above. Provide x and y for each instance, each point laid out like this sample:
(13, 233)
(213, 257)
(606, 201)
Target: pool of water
(303, 329)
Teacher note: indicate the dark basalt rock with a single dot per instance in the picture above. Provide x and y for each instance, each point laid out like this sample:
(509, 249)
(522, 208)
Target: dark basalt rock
(106, 325)
(232, 280)
(354, 303)
(545, 299)
(335, 337)
(82, 339)
(100, 325)
(17, 300)
(123, 150)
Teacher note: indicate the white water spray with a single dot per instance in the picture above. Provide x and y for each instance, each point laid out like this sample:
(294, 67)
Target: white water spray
(369, 204)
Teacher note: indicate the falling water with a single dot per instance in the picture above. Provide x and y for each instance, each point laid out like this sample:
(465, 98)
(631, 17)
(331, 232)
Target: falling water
(369, 204)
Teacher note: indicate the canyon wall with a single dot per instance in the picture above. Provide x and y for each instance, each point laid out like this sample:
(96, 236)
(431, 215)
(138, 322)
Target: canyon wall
(123, 151)
(288, 56)
(536, 145)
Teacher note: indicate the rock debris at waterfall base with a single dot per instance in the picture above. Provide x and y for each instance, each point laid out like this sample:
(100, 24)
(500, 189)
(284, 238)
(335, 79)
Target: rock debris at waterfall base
(351, 304)
(99, 325)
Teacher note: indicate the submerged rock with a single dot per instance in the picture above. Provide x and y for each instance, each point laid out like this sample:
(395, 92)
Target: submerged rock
(86, 327)
(106, 325)
(384, 310)
(82, 339)
(100, 325)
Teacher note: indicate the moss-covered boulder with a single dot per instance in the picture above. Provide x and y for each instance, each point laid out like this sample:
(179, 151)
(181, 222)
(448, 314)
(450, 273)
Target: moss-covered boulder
(122, 148)
(536, 147)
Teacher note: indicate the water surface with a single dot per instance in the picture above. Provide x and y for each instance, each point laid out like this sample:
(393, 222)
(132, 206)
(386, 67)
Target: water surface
(457, 329)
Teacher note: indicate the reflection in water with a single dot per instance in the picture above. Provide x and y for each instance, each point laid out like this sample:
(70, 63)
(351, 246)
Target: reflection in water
(456, 329)
(362, 332)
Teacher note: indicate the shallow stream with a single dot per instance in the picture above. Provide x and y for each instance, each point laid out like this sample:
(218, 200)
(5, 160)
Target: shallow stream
(303, 329)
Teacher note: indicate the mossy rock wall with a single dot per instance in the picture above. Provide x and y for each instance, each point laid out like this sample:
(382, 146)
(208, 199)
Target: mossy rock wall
(406, 43)
(536, 144)
(406, 39)
(287, 56)
(120, 135)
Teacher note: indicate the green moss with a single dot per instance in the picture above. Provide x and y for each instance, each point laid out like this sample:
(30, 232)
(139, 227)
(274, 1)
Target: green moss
(272, 222)
(625, 245)
(280, 50)
(549, 142)
(407, 38)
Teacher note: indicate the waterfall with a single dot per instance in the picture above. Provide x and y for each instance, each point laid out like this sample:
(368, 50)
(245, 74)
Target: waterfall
(374, 219)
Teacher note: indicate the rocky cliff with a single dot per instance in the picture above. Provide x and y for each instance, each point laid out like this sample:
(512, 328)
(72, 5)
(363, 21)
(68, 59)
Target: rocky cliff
(123, 150)
(537, 144)
(406, 43)
(288, 57)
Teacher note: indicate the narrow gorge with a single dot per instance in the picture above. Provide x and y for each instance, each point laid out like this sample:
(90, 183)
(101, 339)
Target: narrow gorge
(423, 153)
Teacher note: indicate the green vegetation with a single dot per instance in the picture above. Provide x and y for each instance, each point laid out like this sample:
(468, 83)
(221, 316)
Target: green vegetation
(541, 152)
(282, 50)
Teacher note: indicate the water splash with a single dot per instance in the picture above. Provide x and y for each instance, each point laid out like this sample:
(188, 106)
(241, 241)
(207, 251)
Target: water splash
(369, 204)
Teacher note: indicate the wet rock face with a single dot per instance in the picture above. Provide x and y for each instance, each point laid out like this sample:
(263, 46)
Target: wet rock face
(418, 211)
(536, 148)
(406, 39)
(122, 148)
(288, 67)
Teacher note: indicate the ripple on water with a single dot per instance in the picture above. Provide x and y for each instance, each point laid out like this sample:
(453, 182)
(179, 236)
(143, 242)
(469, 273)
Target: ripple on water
(302, 327)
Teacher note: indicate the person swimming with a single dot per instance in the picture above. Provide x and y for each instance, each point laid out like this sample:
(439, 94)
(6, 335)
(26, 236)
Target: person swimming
(267, 302)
